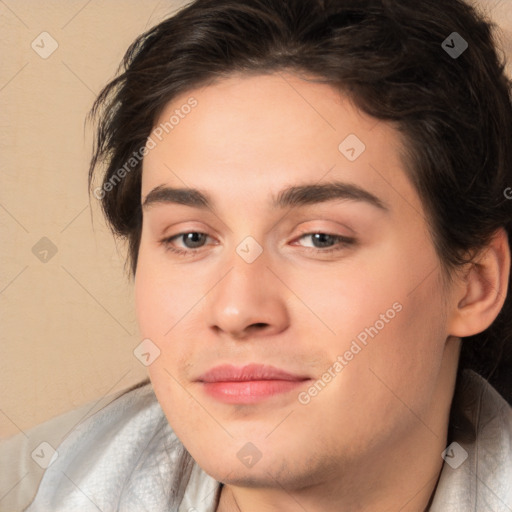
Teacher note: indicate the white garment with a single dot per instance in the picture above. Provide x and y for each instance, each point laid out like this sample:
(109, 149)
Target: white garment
(126, 458)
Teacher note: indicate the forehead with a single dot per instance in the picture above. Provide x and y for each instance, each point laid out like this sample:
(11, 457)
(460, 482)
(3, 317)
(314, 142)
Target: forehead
(256, 135)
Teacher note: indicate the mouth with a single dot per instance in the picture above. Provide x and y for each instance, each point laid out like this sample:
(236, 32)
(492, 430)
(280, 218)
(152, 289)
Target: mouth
(248, 384)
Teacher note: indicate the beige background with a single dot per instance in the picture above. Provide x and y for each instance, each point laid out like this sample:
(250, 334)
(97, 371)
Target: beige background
(68, 326)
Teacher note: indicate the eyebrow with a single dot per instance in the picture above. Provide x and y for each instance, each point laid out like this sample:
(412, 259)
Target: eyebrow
(294, 196)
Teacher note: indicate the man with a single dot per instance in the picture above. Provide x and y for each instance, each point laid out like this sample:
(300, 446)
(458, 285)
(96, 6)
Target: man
(313, 196)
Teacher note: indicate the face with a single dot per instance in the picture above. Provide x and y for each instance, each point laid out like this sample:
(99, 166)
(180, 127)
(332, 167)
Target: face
(293, 289)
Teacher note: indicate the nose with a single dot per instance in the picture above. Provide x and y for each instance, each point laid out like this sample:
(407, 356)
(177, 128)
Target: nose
(248, 301)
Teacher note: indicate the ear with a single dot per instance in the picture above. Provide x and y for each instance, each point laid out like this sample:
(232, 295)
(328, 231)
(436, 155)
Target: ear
(481, 292)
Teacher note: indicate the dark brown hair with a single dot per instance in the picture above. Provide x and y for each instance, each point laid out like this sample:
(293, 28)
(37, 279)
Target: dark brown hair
(454, 112)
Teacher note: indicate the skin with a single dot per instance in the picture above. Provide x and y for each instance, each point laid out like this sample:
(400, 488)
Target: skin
(372, 438)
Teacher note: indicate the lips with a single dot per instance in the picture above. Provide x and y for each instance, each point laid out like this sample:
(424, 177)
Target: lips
(229, 373)
(248, 384)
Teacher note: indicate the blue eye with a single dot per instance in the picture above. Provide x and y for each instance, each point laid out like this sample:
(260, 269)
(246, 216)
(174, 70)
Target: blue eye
(192, 241)
(325, 242)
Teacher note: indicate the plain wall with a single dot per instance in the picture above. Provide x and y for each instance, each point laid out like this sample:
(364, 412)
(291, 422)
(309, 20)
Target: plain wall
(68, 324)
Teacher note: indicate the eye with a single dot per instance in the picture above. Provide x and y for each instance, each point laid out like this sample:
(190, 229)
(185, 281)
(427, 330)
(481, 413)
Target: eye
(191, 241)
(325, 242)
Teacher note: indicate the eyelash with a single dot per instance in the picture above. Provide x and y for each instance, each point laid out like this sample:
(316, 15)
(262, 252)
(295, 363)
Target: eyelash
(343, 243)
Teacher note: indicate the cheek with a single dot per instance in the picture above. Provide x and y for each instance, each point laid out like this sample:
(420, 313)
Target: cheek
(151, 307)
(163, 296)
(405, 358)
(160, 304)
(350, 298)
(391, 364)
(391, 315)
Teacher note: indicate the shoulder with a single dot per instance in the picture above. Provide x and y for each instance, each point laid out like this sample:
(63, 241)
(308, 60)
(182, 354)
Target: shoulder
(124, 456)
(477, 473)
